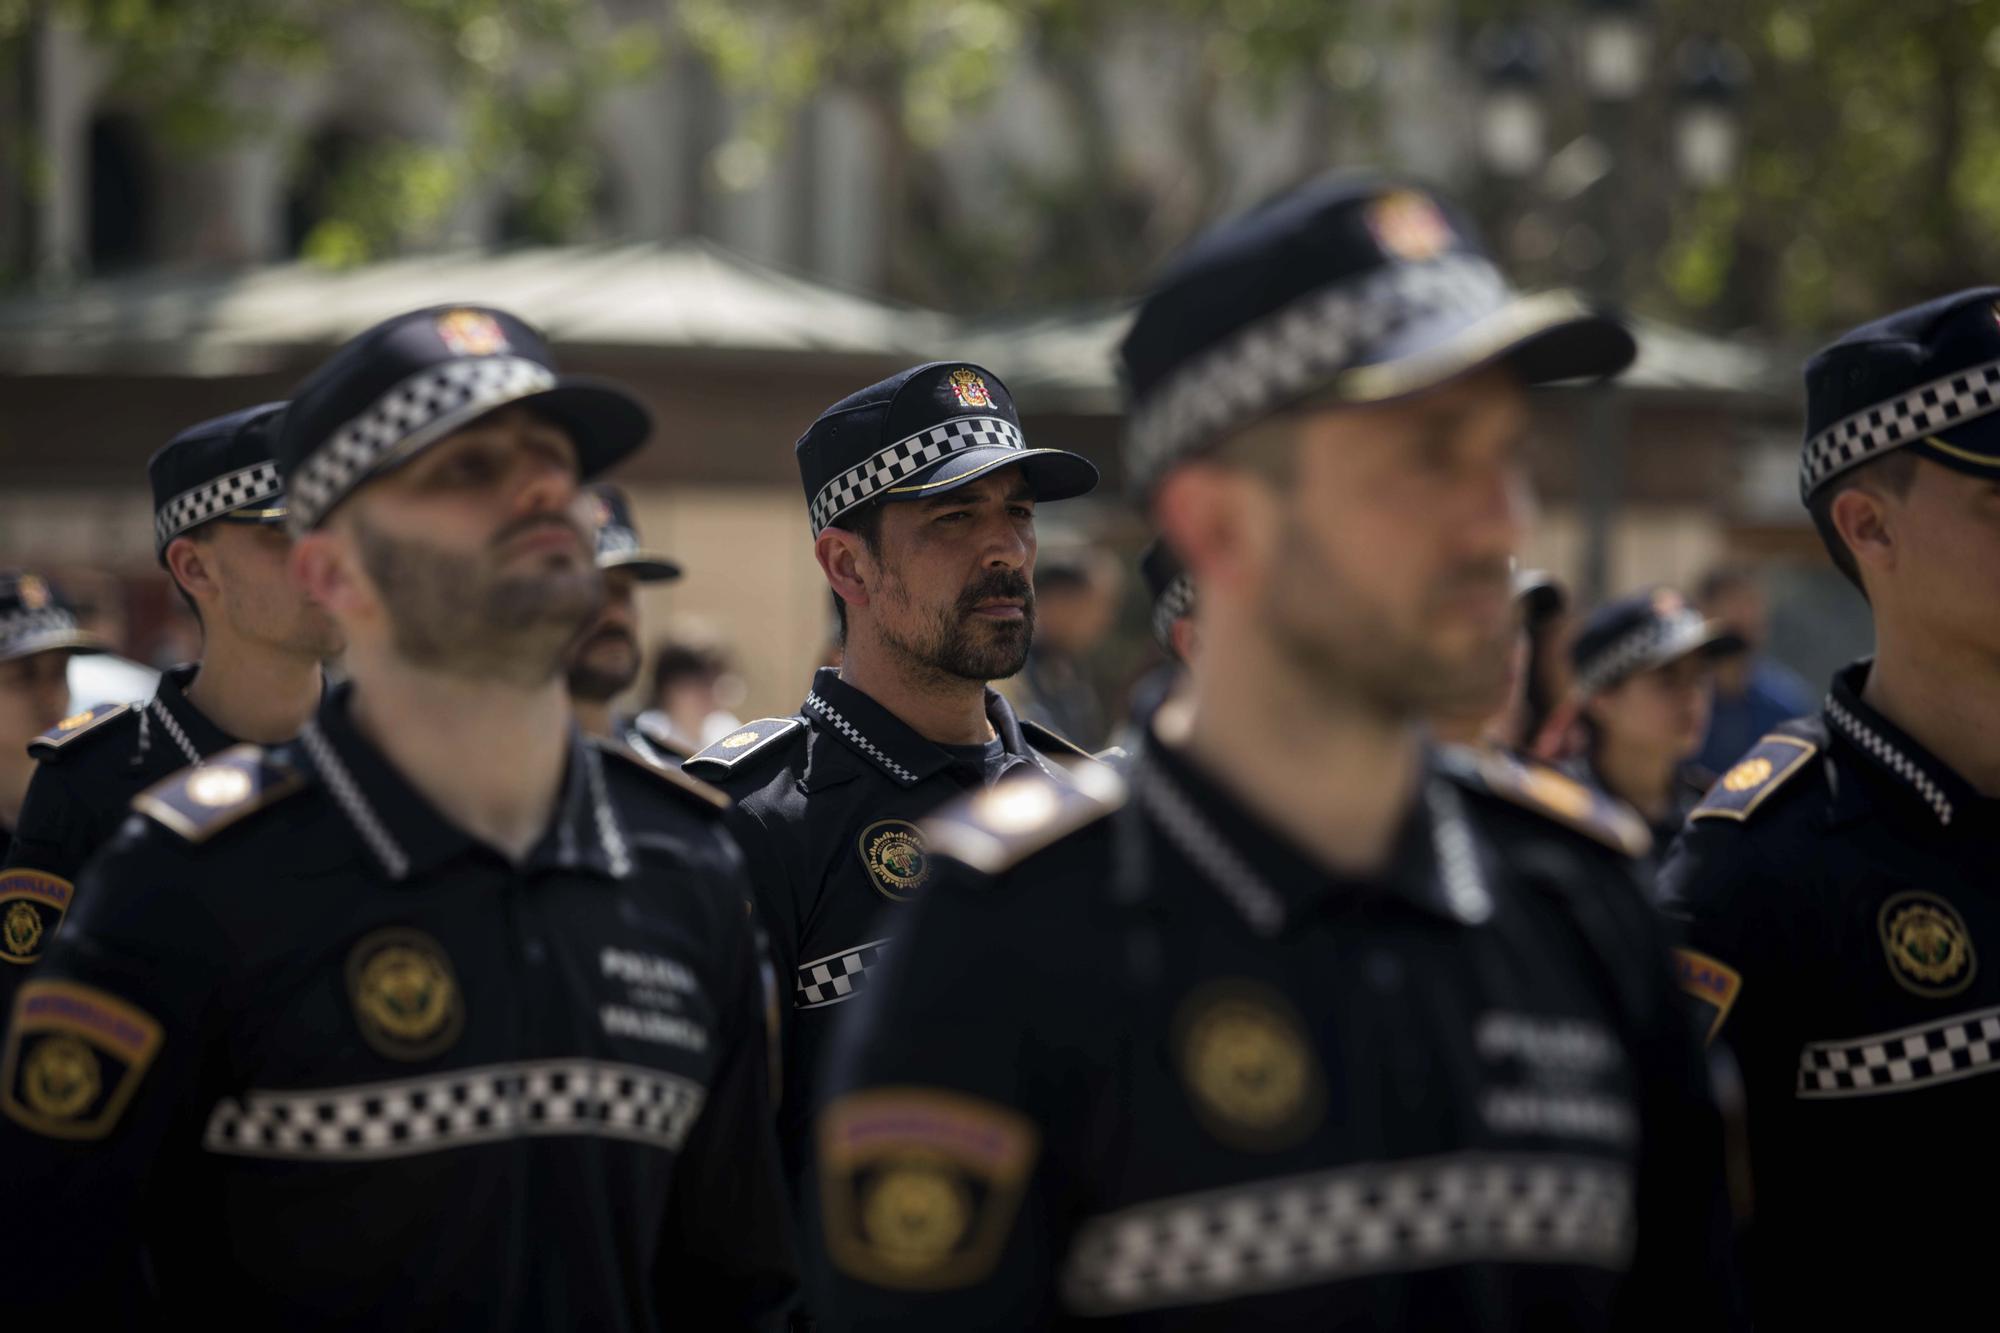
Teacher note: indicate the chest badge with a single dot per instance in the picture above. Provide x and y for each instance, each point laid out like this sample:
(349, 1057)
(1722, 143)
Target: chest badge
(898, 865)
(1929, 948)
(1249, 1070)
(406, 998)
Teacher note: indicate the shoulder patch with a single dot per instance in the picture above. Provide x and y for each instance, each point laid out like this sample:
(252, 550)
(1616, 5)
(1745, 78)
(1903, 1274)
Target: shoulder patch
(201, 801)
(1713, 985)
(709, 798)
(1558, 796)
(745, 741)
(996, 829)
(32, 905)
(76, 724)
(75, 1055)
(1754, 777)
(1049, 741)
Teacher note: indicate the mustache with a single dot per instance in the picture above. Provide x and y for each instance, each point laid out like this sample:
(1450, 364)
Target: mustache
(997, 583)
(534, 522)
(612, 634)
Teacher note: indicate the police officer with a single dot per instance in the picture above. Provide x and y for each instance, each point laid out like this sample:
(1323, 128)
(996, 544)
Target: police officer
(441, 1015)
(1314, 1028)
(218, 515)
(608, 657)
(38, 635)
(922, 495)
(1838, 882)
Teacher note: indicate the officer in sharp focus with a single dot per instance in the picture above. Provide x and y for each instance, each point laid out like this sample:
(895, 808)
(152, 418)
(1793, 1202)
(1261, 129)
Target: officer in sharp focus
(39, 633)
(1838, 883)
(922, 494)
(1310, 1026)
(441, 1015)
(608, 657)
(218, 515)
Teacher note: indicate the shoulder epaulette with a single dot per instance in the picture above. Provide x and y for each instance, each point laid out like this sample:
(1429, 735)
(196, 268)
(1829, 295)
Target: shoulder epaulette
(201, 801)
(1754, 777)
(709, 798)
(73, 726)
(650, 731)
(1558, 796)
(998, 828)
(1050, 741)
(745, 741)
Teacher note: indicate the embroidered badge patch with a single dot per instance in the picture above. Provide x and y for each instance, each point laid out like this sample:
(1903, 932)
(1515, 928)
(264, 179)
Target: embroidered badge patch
(1409, 225)
(75, 1055)
(1249, 1070)
(406, 998)
(919, 1186)
(1712, 985)
(471, 333)
(32, 903)
(898, 865)
(1930, 951)
(969, 387)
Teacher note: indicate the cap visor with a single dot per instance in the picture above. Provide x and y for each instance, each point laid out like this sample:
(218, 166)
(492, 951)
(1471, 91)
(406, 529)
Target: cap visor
(1708, 640)
(75, 640)
(643, 566)
(605, 422)
(1053, 474)
(1544, 339)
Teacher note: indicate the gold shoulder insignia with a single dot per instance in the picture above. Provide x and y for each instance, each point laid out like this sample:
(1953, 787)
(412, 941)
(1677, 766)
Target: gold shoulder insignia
(201, 801)
(693, 788)
(745, 741)
(73, 726)
(1755, 776)
(996, 829)
(1051, 742)
(1562, 798)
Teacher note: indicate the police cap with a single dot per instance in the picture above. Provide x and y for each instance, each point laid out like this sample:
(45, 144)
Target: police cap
(36, 618)
(1638, 633)
(219, 469)
(618, 539)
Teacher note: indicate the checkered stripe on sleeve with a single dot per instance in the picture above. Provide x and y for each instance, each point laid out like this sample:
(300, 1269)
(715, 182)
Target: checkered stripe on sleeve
(1960, 396)
(427, 405)
(1961, 1046)
(257, 484)
(1302, 1231)
(836, 977)
(906, 456)
(1279, 358)
(590, 1098)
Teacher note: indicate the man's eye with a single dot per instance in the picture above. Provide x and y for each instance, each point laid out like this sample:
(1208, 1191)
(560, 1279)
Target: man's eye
(953, 516)
(1021, 511)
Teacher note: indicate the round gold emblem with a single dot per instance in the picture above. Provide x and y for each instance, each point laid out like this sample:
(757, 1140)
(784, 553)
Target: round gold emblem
(739, 740)
(60, 1077)
(405, 996)
(218, 786)
(915, 1214)
(1746, 774)
(34, 593)
(893, 851)
(73, 721)
(21, 930)
(1246, 1061)
(1930, 951)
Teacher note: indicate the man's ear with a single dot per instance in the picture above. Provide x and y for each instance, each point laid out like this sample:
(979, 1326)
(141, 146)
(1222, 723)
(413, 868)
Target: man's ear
(1865, 520)
(850, 571)
(1210, 515)
(190, 564)
(320, 566)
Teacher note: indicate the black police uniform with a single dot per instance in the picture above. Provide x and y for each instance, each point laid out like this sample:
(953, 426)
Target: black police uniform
(1837, 890)
(1146, 1063)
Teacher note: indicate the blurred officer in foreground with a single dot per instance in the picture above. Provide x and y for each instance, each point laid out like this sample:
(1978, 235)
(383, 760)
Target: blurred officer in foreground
(922, 494)
(1838, 882)
(1645, 670)
(608, 658)
(218, 515)
(1317, 1028)
(441, 1016)
(38, 635)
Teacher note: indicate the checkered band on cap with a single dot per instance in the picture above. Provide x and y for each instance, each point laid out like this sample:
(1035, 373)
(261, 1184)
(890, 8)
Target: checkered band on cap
(424, 407)
(1651, 640)
(1174, 601)
(21, 626)
(906, 456)
(1300, 1231)
(257, 485)
(1960, 396)
(1942, 1051)
(1285, 355)
(615, 539)
(591, 1098)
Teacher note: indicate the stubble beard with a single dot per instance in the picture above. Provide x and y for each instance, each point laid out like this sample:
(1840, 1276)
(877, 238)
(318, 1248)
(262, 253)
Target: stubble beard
(598, 684)
(950, 644)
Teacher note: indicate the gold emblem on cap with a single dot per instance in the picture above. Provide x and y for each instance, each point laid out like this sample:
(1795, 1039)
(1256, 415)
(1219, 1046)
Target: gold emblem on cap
(915, 1214)
(739, 740)
(60, 1078)
(969, 388)
(471, 333)
(21, 930)
(893, 851)
(405, 996)
(1252, 1076)
(34, 593)
(1746, 774)
(1930, 951)
(1409, 225)
(218, 786)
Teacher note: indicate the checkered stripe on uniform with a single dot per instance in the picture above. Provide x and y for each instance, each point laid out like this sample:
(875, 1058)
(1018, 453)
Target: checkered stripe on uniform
(1953, 1048)
(1302, 1231)
(904, 457)
(836, 977)
(853, 733)
(1960, 396)
(1175, 601)
(1891, 757)
(1284, 355)
(258, 483)
(423, 407)
(591, 1098)
(1621, 657)
(23, 625)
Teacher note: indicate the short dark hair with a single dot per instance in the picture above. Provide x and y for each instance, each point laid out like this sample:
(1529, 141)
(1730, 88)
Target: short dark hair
(1721, 580)
(675, 661)
(865, 522)
(1894, 472)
